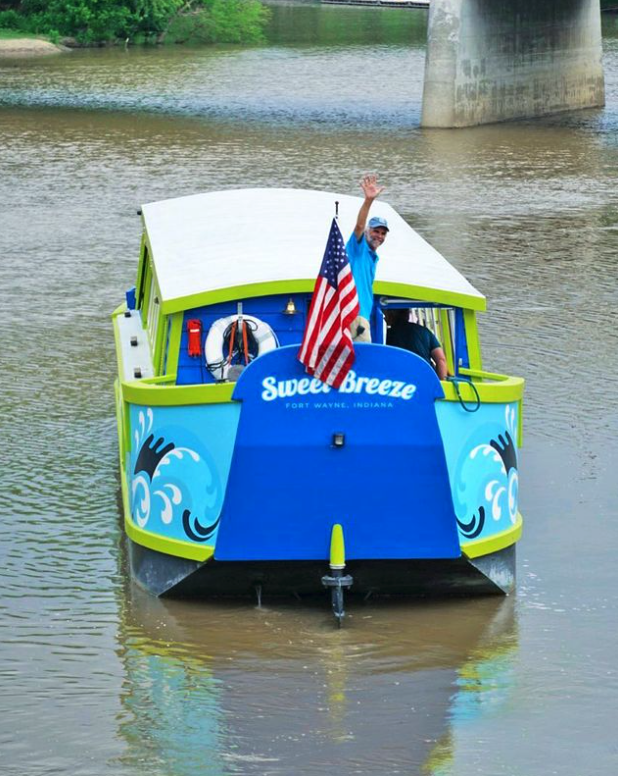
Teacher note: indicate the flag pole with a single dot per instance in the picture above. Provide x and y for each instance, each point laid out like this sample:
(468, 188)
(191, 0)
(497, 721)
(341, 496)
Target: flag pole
(337, 209)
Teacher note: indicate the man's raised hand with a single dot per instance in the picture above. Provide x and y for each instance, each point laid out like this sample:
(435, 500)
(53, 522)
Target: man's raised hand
(371, 187)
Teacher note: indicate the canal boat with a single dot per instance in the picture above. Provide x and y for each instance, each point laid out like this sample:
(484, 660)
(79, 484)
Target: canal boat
(241, 474)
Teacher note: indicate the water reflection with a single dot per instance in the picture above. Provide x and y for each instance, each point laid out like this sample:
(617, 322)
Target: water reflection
(224, 689)
(313, 23)
(309, 74)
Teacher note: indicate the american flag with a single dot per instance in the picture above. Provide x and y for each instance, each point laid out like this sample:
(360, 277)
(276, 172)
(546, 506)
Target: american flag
(327, 350)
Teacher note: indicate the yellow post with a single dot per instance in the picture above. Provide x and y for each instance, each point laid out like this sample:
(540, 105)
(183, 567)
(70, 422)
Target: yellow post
(337, 548)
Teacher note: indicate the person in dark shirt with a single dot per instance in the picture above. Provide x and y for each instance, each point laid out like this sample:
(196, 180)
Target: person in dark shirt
(402, 333)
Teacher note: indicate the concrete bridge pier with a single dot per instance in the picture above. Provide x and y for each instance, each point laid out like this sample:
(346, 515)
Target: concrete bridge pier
(498, 60)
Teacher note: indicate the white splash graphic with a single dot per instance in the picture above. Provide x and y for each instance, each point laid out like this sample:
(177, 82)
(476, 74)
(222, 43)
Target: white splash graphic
(483, 479)
(145, 426)
(513, 485)
(487, 450)
(513, 494)
(182, 481)
(177, 452)
(509, 419)
(141, 510)
(167, 513)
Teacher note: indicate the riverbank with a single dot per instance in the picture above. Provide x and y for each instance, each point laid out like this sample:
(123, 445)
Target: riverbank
(112, 22)
(28, 47)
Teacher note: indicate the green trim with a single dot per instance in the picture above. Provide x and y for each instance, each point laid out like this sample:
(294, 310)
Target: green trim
(118, 344)
(236, 292)
(144, 252)
(179, 549)
(120, 423)
(147, 291)
(160, 380)
(167, 546)
(520, 424)
(120, 310)
(472, 338)
(381, 288)
(123, 419)
(140, 392)
(447, 340)
(126, 447)
(158, 392)
(159, 346)
(436, 295)
(484, 375)
(509, 389)
(173, 353)
(153, 269)
(146, 258)
(480, 547)
(145, 236)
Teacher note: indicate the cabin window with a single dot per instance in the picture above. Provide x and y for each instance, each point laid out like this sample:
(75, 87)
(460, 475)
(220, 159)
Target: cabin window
(165, 350)
(442, 321)
(430, 318)
(153, 314)
(143, 277)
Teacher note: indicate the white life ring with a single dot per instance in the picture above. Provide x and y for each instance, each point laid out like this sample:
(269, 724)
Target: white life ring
(217, 360)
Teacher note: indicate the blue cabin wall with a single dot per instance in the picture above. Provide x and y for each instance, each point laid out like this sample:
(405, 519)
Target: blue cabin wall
(288, 328)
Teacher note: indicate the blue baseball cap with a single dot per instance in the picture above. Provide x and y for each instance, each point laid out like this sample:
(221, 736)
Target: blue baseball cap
(377, 221)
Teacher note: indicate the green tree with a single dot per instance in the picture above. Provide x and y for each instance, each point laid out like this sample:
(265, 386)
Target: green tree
(225, 21)
(93, 21)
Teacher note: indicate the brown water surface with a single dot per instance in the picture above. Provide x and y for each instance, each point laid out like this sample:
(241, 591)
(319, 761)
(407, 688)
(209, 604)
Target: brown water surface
(99, 679)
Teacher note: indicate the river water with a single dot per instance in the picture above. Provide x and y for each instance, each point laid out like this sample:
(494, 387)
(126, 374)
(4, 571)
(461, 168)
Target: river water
(99, 679)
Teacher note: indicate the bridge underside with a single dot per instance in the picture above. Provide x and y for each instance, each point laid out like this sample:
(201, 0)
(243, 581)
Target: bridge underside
(499, 60)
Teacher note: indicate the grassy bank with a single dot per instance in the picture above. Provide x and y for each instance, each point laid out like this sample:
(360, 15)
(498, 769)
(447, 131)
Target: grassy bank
(96, 22)
(6, 34)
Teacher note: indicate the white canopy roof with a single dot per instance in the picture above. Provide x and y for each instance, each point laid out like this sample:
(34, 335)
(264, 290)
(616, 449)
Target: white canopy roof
(209, 242)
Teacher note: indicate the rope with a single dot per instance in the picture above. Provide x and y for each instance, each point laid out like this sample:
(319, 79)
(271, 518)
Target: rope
(456, 381)
(236, 347)
(244, 342)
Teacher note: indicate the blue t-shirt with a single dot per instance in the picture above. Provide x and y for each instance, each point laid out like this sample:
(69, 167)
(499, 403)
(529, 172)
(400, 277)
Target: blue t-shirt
(363, 262)
(413, 337)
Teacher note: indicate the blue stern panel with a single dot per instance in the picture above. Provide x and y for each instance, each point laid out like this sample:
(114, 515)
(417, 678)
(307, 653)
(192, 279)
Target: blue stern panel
(368, 456)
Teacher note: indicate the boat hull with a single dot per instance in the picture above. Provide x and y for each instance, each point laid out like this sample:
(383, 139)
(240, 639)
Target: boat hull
(224, 496)
(166, 575)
